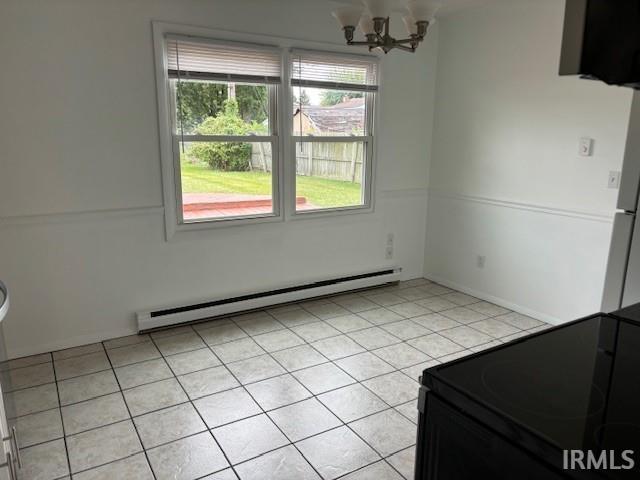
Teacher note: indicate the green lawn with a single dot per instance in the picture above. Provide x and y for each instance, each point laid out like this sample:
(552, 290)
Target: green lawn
(199, 178)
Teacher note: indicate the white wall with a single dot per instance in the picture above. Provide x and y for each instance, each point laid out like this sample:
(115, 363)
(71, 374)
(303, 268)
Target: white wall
(81, 220)
(506, 180)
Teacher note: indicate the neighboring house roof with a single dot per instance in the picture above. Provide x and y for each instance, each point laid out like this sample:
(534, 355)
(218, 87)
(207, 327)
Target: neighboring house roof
(343, 118)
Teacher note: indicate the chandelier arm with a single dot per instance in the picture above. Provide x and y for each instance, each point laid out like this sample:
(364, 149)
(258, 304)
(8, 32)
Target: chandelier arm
(408, 40)
(367, 43)
(405, 48)
(380, 36)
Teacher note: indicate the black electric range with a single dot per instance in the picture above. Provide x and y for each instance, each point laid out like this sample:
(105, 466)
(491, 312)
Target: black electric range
(518, 410)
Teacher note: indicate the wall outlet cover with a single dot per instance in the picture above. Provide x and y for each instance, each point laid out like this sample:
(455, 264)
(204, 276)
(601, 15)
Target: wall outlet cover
(388, 253)
(585, 148)
(614, 179)
(390, 238)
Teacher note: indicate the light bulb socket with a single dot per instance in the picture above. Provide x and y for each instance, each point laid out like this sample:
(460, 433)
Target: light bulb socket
(422, 28)
(349, 32)
(378, 24)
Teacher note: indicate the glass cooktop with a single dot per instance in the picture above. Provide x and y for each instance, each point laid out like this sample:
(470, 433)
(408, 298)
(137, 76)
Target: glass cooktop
(577, 386)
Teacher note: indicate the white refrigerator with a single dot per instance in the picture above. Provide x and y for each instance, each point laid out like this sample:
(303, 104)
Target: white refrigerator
(622, 282)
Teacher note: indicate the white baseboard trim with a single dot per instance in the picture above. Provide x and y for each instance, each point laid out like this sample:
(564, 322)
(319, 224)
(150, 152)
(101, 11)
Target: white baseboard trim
(103, 336)
(248, 301)
(496, 300)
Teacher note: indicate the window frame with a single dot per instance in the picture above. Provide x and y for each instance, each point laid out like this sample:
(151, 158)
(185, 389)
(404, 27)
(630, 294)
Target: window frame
(368, 142)
(281, 134)
(272, 138)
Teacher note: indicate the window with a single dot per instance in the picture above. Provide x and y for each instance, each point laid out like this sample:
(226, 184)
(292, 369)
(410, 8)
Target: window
(333, 99)
(224, 109)
(224, 129)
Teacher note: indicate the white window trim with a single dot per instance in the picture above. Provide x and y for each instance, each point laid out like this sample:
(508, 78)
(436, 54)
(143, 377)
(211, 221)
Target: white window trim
(273, 139)
(284, 198)
(373, 104)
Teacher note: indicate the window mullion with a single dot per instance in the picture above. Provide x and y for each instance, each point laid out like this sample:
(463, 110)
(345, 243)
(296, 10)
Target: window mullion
(332, 139)
(276, 190)
(178, 178)
(288, 174)
(226, 138)
(347, 87)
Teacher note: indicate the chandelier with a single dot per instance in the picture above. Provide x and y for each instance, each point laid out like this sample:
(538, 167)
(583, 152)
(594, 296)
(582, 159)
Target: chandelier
(373, 19)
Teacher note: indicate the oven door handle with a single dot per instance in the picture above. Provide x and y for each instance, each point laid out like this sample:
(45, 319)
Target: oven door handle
(422, 398)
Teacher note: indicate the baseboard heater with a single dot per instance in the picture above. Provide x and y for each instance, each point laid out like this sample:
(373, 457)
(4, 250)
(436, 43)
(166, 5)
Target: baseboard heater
(149, 320)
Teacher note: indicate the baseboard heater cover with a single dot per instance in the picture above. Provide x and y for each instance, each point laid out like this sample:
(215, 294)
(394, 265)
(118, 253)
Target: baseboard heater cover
(149, 320)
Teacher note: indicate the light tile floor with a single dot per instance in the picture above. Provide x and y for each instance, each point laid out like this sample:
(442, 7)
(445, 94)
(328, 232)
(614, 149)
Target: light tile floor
(320, 389)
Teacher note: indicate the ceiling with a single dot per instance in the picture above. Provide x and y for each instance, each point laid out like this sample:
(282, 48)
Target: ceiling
(455, 5)
(449, 6)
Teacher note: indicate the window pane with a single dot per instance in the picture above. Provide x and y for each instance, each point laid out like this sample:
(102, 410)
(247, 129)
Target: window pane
(329, 175)
(318, 111)
(210, 108)
(308, 66)
(225, 179)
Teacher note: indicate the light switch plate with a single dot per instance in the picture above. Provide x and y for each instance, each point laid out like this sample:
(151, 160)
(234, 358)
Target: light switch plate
(585, 148)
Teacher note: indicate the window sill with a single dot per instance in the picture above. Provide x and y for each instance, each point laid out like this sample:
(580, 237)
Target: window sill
(331, 212)
(196, 226)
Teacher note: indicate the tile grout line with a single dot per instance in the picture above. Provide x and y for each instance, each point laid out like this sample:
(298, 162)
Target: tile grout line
(64, 436)
(270, 420)
(305, 342)
(372, 351)
(135, 427)
(230, 319)
(356, 420)
(267, 310)
(265, 412)
(314, 396)
(401, 341)
(191, 402)
(286, 373)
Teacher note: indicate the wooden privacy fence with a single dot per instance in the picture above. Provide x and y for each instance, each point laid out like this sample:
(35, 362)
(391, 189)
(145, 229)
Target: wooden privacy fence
(337, 161)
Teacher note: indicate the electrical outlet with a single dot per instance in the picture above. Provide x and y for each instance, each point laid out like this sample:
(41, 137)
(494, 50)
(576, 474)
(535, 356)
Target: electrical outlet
(480, 261)
(614, 180)
(388, 253)
(390, 238)
(585, 147)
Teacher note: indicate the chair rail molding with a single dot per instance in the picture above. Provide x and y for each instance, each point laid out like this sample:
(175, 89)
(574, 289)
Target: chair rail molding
(602, 217)
(83, 215)
(402, 192)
